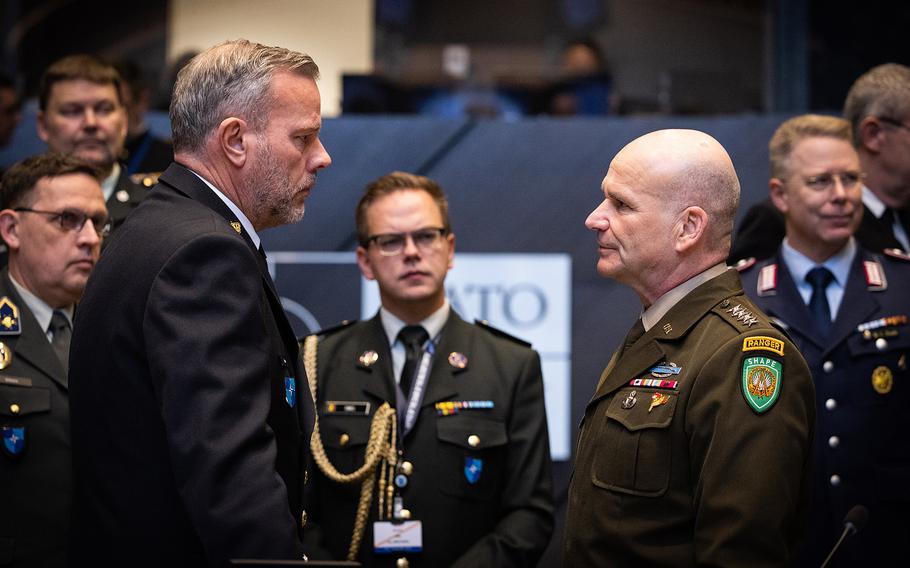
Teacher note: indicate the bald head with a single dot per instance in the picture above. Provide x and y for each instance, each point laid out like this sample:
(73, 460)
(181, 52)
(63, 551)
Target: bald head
(670, 199)
(688, 168)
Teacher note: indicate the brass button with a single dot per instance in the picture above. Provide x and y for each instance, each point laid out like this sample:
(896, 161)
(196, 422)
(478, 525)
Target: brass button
(407, 468)
(344, 439)
(402, 563)
(303, 519)
(473, 440)
(404, 514)
(14, 408)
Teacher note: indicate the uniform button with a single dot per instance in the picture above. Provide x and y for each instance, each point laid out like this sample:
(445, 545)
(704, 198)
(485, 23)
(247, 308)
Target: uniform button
(14, 408)
(407, 468)
(404, 514)
(402, 563)
(303, 519)
(828, 366)
(881, 343)
(830, 404)
(833, 441)
(344, 439)
(835, 480)
(473, 440)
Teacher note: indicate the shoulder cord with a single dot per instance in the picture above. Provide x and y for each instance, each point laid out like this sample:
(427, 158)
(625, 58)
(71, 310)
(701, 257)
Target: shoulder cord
(381, 447)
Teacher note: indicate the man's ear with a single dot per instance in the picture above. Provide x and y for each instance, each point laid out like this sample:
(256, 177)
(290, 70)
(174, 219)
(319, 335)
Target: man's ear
(871, 134)
(363, 261)
(9, 228)
(778, 195)
(690, 228)
(42, 126)
(234, 138)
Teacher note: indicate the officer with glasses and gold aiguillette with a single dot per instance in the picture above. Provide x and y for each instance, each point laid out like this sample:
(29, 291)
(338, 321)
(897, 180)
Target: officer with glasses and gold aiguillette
(432, 439)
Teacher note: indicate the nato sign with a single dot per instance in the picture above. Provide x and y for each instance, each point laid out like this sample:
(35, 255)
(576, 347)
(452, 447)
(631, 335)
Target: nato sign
(525, 295)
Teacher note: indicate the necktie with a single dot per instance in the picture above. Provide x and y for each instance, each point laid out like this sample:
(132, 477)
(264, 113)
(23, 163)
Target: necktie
(413, 337)
(819, 277)
(61, 335)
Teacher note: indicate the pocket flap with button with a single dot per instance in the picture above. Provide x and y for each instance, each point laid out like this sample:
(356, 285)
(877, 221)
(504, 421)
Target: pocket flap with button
(471, 432)
(21, 401)
(340, 432)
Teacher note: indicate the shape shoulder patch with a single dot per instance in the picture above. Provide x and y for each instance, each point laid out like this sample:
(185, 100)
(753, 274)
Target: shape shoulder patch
(486, 325)
(332, 329)
(146, 180)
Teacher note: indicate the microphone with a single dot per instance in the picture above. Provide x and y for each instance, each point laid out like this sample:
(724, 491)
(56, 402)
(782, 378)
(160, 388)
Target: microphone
(855, 521)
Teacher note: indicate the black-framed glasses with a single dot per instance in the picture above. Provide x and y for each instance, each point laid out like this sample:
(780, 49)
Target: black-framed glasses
(825, 181)
(894, 122)
(425, 240)
(72, 220)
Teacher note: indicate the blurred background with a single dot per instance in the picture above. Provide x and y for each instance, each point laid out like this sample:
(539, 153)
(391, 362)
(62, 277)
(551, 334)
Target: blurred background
(515, 106)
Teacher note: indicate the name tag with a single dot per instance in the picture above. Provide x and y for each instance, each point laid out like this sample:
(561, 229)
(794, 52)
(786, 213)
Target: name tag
(390, 538)
(347, 407)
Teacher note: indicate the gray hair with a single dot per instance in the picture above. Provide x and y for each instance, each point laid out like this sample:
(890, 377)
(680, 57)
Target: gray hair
(230, 79)
(882, 91)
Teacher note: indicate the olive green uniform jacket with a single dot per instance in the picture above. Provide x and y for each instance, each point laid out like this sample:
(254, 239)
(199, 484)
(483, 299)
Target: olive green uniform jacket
(698, 478)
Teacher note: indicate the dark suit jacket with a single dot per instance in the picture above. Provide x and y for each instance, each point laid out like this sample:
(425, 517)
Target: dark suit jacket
(861, 436)
(186, 449)
(125, 198)
(762, 230)
(36, 485)
(699, 479)
(503, 519)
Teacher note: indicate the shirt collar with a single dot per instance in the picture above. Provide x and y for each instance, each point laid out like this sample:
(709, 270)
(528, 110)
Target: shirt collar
(875, 205)
(109, 184)
(433, 324)
(39, 308)
(659, 309)
(799, 264)
(234, 209)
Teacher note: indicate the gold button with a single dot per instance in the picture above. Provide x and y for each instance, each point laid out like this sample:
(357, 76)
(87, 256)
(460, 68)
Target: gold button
(407, 468)
(473, 440)
(14, 408)
(402, 562)
(404, 514)
(344, 439)
(303, 519)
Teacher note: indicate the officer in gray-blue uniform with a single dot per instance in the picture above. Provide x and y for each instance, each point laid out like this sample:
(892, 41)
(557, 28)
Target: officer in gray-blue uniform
(847, 310)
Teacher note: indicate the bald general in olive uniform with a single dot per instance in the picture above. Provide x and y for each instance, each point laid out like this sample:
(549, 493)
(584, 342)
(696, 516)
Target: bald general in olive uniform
(695, 449)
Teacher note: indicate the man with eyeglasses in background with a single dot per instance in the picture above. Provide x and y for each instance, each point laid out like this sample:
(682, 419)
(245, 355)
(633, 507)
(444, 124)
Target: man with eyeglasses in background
(846, 308)
(878, 110)
(52, 218)
(81, 113)
(471, 485)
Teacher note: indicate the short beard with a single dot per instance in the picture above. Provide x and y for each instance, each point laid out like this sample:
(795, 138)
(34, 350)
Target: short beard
(274, 204)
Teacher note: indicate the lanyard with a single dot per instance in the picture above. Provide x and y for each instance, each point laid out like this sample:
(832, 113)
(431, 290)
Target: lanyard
(420, 385)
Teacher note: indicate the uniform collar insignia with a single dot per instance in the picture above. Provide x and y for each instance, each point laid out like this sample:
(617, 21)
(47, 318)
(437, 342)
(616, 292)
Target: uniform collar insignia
(9, 317)
(875, 276)
(767, 280)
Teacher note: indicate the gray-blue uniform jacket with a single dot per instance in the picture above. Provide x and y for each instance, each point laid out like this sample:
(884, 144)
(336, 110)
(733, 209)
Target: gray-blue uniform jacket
(862, 386)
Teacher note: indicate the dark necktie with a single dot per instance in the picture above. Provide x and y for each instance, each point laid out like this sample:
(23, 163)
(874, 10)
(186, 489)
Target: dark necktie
(60, 338)
(413, 337)
(819, 277)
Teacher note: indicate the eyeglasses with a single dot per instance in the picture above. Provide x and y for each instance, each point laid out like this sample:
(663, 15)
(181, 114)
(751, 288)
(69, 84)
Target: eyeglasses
(894, 122)
(824, 182)
(391, 244)
(71, 220)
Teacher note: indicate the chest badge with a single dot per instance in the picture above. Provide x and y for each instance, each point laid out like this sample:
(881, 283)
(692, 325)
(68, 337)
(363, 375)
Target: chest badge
(882, 380)
(458, 360)
(13, 440)
(6, 355)
(472, 469)
(368, 358)
(290, 391)
(630, 400)
(658, 399)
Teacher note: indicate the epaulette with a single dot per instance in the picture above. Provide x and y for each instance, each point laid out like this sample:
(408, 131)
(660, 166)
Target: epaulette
(897, 253)
(145, 180)
(738, 314)
(486, 325)
(332, 329)
(745, 264)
